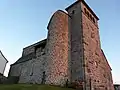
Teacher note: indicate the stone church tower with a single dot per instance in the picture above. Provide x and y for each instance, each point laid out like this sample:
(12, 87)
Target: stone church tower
(71, 53)
(88, 62)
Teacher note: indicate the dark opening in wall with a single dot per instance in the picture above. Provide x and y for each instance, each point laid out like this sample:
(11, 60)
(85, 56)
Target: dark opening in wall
(1, 74)
(73, 11)
(90, 17)
(31, 74)
(88, 14)
(93, 20)
(85, 10)
(43, 78)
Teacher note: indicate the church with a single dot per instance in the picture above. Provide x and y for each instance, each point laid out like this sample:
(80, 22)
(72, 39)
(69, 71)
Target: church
(70, 53)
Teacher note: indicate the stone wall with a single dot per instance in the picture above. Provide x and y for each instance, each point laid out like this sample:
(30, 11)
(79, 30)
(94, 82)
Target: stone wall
(15, 70)
(76, 52)
(57, 49)
(3, 79)
(32, 71)
(31, 66)
(46, 63)
(97, 69)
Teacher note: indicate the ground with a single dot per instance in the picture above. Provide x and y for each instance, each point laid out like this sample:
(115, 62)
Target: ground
(30, 87)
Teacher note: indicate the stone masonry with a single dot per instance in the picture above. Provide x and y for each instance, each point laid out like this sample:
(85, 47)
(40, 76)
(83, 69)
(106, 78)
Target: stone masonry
(97, 69)
(57, 49)
(71, 53)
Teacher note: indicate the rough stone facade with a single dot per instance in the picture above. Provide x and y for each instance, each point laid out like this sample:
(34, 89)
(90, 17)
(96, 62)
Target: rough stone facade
(57, 49)
(30, 67)
(97, 69)
(71, 53)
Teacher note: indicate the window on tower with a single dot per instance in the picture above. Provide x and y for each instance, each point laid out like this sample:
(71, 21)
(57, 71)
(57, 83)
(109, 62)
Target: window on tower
(89, 15)
(85, 10)
(93, 20)
(73, 11)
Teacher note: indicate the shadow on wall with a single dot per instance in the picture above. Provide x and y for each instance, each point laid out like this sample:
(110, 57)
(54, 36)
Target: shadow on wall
(9, 80)
(117, 86)
(3, 79)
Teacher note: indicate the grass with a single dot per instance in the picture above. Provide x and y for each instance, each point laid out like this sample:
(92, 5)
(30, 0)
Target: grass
(31, 87)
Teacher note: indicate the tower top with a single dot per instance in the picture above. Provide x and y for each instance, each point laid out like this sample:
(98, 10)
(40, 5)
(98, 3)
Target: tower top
(83, 1)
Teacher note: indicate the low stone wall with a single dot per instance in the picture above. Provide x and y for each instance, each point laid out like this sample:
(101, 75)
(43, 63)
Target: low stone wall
(117, 86)
(9, 80)
(3, 79)
(12, 80)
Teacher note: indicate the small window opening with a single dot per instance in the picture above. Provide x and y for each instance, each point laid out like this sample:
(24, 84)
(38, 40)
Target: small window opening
(31, 74)
(73, 11)
(93, 20)
(85, 10)
(43, 78)
(88, 14)
(90, 17)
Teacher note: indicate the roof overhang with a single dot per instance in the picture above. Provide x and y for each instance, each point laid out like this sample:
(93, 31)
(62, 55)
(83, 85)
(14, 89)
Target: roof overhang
(85, 5)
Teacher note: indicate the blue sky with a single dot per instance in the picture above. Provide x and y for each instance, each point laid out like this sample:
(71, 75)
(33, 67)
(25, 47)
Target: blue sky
(24, 22)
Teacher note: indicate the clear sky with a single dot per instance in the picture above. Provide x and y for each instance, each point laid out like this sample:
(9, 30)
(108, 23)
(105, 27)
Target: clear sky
(24, 22)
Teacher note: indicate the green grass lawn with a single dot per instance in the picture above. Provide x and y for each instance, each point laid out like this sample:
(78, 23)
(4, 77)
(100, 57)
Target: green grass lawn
(30, 87)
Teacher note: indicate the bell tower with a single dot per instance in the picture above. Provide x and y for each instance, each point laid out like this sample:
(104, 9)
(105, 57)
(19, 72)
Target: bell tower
(86, 56)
